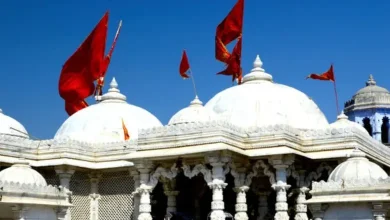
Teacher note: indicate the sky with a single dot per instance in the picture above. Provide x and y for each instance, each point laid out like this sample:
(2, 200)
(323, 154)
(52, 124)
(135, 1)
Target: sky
(293, 38)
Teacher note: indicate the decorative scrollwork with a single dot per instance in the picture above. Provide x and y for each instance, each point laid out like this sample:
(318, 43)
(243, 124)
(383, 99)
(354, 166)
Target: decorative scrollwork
(200, 168)
(315, 175)
(162, 172)
(260, 164)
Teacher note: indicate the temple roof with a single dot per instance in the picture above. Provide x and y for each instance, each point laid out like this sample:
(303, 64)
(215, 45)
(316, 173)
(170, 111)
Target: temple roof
(10, 126)
(102, 122)
(260, 102)
(195, 112)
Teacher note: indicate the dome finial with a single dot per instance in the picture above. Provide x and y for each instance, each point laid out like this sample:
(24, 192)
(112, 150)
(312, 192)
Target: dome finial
(113, 92)
(371, 81)
(342, 116)
(257, 74)
(196, 102)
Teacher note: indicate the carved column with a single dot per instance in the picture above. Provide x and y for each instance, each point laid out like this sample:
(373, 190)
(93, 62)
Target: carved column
(144, 190)
(136, 196)
(169, 191)
(19, 212)
(318, 211)
(263, 205)
(241, 187)
(379, 211)
(217, 185)
(281, 163)
(65, 174)
(301, 207)
(94, 196)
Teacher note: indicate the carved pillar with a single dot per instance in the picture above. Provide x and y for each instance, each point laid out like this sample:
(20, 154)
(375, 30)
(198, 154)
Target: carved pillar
(217, 185)
(65, 174)
(301, 207)
(281, 164)
(144, 190)
(136, 198)
(318, 211)
(94, 196)
(263, 205)
(169, 191)
(241, 206)
(241, 187)
(19, 212)
(61, 213)
(379, 211)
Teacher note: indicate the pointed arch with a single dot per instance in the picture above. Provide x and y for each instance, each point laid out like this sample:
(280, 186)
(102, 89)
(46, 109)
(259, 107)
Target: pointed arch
(385, 130)
(367, 125)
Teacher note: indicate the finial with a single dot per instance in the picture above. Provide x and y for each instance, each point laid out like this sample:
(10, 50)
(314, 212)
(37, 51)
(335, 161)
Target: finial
(257, 74)
(258, 63)
(342, 116)
(196, 102)
(113, 92)
(371, 81)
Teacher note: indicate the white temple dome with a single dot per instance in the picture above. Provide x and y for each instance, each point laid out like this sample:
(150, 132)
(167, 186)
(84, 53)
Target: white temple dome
(102, 122)
(357, 169)
(343, 122)
(260, 102)
(10, 126)
(22, 173)
(195, 112)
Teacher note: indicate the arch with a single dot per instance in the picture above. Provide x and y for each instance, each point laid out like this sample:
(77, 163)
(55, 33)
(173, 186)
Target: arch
(385, 130)
(367, 125)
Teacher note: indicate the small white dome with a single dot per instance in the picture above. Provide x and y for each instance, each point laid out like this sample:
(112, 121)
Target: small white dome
(357, 168)
(260, 102)
(343, 122)
(22, 173)
(10, 126)
(196, 112)
(102, 122)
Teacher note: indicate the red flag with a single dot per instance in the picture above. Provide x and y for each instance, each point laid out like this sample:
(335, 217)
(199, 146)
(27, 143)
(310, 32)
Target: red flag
(184, 66)
(231, 27)
(227, 31)
(125, 131)
(328, 75)
(234, 63)
(106, 63)
(79, 72)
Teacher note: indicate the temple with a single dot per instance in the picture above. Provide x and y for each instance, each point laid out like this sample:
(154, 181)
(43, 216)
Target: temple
(255, 151)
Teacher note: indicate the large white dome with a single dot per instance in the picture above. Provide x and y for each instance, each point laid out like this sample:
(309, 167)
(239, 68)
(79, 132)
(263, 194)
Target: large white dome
(102, 122)
(10, 126)
(260, 102)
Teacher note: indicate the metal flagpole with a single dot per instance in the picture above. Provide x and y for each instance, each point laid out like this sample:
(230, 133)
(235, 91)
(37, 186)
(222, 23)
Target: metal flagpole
(337, 98)
(193, 82)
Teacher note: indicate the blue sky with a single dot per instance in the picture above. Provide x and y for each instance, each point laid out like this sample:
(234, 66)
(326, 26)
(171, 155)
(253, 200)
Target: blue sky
(293, 38)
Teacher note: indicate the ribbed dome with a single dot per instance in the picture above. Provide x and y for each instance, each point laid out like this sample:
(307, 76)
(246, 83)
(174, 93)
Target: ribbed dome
(371, 96)
(102, 122)
(10, 126)
(343, 122)
(260, 102)
(357, 168)
(196, 112)
(22, 173)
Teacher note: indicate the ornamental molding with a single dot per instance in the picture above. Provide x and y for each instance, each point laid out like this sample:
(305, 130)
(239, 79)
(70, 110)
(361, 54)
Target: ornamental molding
(196, 170)
(193, 135)
(365, 185)
(259, 166)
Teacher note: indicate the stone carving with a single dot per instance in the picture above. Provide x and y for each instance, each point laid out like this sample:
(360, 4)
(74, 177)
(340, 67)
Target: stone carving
(315, 175)
(260, 164)
(200, 168)
(344, 184)
(162, 172)
(51, 191)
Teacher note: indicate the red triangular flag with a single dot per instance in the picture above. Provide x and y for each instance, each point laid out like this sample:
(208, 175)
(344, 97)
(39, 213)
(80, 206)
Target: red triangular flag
(184, 66)
(328, 75)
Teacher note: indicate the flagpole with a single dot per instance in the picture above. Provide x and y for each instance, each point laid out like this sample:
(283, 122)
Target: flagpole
(337, 98)
(193, 82)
